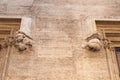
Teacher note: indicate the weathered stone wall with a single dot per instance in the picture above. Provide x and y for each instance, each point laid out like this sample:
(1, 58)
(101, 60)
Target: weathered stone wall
(57, 31)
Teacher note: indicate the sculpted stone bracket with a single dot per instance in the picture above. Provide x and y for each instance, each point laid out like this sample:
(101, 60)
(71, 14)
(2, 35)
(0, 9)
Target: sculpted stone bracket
(20, 40)
(93, 43)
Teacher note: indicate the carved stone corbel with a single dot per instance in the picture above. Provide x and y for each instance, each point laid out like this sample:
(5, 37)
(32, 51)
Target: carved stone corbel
(22, 41)
(93, 43)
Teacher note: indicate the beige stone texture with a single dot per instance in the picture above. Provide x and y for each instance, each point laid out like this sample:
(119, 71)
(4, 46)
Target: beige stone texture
(58, 33)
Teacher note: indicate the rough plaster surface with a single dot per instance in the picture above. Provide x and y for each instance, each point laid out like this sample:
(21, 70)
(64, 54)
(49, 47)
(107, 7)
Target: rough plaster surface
(57, 32)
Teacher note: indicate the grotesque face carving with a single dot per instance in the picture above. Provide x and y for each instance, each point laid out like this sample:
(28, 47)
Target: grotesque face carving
(22, 41)
(19, 37)
(21, 46)
(94, 44)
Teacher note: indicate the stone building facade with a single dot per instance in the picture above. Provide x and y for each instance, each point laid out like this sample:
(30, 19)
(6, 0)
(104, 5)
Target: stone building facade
(59, 29)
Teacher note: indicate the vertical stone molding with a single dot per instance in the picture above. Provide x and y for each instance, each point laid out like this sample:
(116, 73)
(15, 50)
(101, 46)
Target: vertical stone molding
(26, 25)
